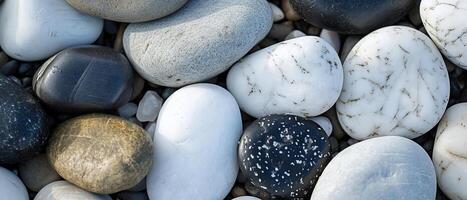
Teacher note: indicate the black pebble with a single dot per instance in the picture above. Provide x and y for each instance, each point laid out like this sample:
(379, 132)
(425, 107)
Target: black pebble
(352, 16)
(23, 124)
(85, 79)
(284, 154)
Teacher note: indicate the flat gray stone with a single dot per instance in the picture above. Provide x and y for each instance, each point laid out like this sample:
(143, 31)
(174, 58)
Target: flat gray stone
(200, 41)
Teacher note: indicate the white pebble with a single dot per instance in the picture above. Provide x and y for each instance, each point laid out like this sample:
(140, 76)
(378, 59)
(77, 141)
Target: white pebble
(277, 14)
(149, 107)
(332, 38)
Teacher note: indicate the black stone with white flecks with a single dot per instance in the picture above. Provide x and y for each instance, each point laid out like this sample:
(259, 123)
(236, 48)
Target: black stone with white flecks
(284, 154)
(23, 124)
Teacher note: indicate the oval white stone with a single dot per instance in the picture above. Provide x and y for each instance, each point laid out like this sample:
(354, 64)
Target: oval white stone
(444, 20)
(389, 167)
(195, 150)
(11, 186)
(63, 190)
(32, 30)
(301, 76)
(450, 154)
(395, 83)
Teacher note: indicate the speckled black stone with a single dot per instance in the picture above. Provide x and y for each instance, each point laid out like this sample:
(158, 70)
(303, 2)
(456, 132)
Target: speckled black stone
(284, 154)
(23, 123)
(352, 16)
(85, 79)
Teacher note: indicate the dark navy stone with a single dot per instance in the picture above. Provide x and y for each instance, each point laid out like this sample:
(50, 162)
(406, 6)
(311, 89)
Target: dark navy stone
(352, 16)
(23, 124)
(284, 154)
(85, 79)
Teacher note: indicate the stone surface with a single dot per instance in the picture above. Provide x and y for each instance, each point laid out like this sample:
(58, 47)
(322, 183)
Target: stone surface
(277, 14)
(63, 190)
(128, 110)
(149, 107)
(324, 123)
(444, 20)
(37, 173)
(449, 153)
(386, 168)
(11, 186)
(129, 11)
(100, 153)
(302, 76)
(34, 30)
(23, 123)
(395, 83)
(332, 38)
(348, 45)
(246, 198)
(198, 42)
(196, 145)
(352, 17)
(284, 154)
(85, 79)
(294, 34)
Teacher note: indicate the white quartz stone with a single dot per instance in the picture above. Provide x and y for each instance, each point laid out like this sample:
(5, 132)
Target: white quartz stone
(195, 145)
(450, 152)
(302, 76)
(149, 107)
(445, 22)
(332, 38)
(325, 123)
(11, 186)
(32, 30)
(385, 168)
(63, 190)
(277, 14)
(395, 83)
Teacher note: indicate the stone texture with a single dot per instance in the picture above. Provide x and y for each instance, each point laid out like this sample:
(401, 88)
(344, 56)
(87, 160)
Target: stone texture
(324, 123)
(11, 187)
(198, 42)
(62, 190)
(100, 153)
(37, 173)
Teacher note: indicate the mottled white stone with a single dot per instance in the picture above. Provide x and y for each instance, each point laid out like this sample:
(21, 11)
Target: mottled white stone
(11, 186)
(149, 107)
(195, 150)
(332, 38)
(32, 30)
(395, 83)
(384, 168)
(450, 152)
(302, 76)
(63, 190)
(325, 123)
(445, 22)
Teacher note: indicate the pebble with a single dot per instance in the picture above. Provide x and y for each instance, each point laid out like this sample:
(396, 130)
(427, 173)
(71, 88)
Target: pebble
(302, 76)
(294, 34)
(289, 12)
(395, 83)
(24, 128)
(389, 167)
(200, 41)
(449, 152)
(62, 190)
(138, 86)
(283, 154)
(277, 14)
(149, 107)
(128, 110)
(85, 79)
(246, 198)
(117, 153)
(52, 25)
(332, 38)
(129, 11)
(324, 123)
(352, 17)
(9, 68)
(151, 129)
(445, 23)
(280, 31)
(197, 133)
(132, 196)
(11, 186)
(348, 45)
(37, 173)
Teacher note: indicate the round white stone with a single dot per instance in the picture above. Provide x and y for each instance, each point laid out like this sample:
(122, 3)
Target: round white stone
(444, 20)
(32, 30)
(11, 186)
(195, 150)
(302, 76)
(395, 83)
(450, 154)
(63, 190)
(389, 167)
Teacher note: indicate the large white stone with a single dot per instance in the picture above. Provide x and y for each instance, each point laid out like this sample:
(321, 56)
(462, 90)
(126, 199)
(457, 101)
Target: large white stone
(301, 76)
(32, 30)
(450, 152)
(63, 190)
(445, 22)
(385, 168)
(195, 150)
(395, 83)
(11, 186)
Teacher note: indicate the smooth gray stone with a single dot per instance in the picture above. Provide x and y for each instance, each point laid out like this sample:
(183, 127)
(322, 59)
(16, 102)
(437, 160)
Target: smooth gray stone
(200, 41)
(37, 173)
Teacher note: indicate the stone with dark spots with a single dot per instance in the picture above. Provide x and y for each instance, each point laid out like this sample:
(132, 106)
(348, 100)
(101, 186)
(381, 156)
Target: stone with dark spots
(352, 17)
(284, 154)
(23, 123)
(101, 153)
(85, 79)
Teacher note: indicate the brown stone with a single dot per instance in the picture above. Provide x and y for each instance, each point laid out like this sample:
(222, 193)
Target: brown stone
(101, 153)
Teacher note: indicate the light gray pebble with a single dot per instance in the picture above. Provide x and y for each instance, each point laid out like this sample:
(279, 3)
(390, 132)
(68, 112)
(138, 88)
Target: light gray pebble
(149, 107)
(294, 34)
(277, 14)
(332, 38)
(128, 110)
